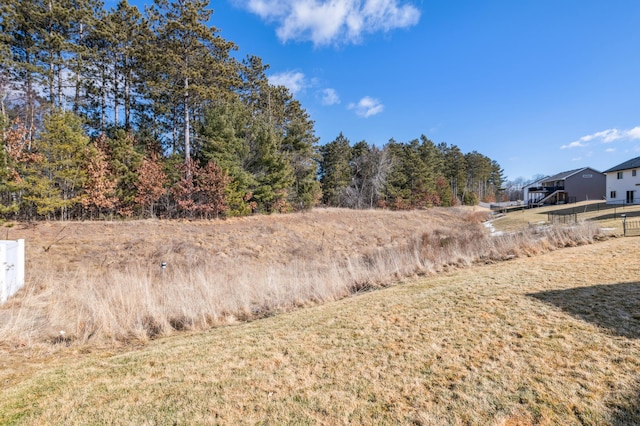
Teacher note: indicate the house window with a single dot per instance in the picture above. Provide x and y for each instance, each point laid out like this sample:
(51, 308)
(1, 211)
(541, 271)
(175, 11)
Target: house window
(633, 172)
(612, 195)
(619, 175)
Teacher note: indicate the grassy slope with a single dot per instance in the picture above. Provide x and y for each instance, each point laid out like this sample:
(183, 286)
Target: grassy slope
(102, 280)
(553, 339)
(607, 216)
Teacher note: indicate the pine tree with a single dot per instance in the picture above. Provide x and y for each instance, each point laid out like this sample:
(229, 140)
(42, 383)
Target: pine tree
(335, 172)
(190, 62)
(271, 168)
(224, 134)
(63, 144)
(130, 33)
(397, 190)
(23, 35)
(124, 157)
(455, 170)
(495, 182)
(5, 60)
(300, 144)
(116, 48)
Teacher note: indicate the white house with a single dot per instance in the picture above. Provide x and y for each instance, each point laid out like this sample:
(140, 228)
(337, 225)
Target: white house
(623, 182)
(527, 188)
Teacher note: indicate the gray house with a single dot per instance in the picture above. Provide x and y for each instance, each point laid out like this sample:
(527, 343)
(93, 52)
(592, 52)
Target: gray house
(567, 187)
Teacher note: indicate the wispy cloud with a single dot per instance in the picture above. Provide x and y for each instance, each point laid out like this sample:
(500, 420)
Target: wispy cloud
(295, 81)
(326, 22)
(605, 136)
(367, 107)
(330, 97)
(575, 144)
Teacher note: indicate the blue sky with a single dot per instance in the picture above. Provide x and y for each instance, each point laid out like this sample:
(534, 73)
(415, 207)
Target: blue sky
(539, 86)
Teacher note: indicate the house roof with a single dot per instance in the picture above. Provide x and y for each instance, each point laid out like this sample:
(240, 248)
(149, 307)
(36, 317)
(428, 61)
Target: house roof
(536, 182)
(564, 175)
(634, 163)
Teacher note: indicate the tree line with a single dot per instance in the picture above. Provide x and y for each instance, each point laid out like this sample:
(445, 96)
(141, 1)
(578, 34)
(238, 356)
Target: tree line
(416, 174)
(142, 114)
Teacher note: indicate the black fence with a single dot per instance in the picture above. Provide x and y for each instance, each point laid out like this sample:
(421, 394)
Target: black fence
(608, 211)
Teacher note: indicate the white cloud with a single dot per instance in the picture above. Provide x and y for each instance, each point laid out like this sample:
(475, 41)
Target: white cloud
(293, 80)
(330, 97)
(367, 107)
(574, 144)
(605, 136)
(634, 133)
(610, 150)
(326, 22)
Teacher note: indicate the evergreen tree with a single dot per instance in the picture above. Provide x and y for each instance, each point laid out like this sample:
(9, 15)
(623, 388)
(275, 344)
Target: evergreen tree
(5, 60)
(495, 182)
(22, 35)
(224, 134)
(300, 145)
(455, 170)
(396, 188)
(334, 170)
(116, 47)
(271, 168)
(63, 145)
(124, 156)
(129, 37)
(66, 25)
(190, 62)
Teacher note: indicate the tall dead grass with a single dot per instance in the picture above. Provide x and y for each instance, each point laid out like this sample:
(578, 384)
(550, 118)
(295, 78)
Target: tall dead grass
(138, 300)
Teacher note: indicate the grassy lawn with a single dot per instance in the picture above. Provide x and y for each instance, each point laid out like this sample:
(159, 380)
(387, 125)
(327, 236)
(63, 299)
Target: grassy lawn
(552, 339)
(607, 216)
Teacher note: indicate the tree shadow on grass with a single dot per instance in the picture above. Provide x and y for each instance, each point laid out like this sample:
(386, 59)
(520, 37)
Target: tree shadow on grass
(626, 412)
(615, 307)
(617, 215)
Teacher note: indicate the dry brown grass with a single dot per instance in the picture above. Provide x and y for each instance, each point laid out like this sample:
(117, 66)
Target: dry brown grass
(97, 282)
(548, 340)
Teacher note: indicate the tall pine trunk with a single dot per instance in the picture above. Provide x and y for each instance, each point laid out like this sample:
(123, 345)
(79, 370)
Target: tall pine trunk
(76, 97)
(116, 101)
(187, 127)
(127, 98)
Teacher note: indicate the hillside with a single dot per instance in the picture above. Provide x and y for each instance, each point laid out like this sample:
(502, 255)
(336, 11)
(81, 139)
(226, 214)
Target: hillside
(104, 281)
(549, 339)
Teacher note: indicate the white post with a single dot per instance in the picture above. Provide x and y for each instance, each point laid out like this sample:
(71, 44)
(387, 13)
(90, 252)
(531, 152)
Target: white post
(4, 285)
(11, 268)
